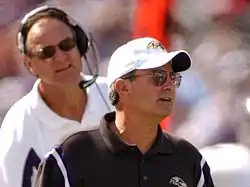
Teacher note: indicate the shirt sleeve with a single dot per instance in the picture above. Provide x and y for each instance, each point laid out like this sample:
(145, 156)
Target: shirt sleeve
(203, 175)
(49, 174)
(18, 161)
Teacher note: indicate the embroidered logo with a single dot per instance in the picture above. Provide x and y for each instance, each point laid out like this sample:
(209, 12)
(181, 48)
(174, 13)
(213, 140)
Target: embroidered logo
(155, 45)
(177, 181)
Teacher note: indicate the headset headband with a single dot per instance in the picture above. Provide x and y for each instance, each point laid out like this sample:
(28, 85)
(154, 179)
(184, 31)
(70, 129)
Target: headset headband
(21, 37)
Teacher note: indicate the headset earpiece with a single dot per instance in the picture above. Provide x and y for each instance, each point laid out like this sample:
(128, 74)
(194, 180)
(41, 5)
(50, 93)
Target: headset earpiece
(82, 40)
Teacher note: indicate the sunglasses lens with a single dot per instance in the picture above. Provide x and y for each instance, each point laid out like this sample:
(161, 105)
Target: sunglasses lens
(67, 44)
(176, 79)
(159, 78)
(46, 52)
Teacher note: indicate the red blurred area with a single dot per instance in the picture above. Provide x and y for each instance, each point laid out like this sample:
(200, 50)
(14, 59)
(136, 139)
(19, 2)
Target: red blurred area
(151, 18)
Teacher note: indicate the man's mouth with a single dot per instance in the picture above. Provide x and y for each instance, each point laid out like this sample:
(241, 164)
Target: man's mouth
(63, 69)
(166, 99)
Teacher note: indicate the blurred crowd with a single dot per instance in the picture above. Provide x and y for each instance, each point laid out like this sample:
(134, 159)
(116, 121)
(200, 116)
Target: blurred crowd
(213, 102)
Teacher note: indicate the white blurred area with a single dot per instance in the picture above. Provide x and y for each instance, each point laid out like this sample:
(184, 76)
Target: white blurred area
(211, 104)
(229, 163)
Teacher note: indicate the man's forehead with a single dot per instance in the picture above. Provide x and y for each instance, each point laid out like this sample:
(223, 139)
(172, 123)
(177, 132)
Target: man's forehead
(48, 29)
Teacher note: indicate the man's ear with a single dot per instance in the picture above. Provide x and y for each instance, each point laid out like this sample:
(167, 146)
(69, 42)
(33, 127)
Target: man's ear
(122, 87)
(28, 65)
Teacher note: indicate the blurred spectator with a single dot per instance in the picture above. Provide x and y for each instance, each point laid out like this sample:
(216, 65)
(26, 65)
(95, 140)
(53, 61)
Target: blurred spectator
(12, 9)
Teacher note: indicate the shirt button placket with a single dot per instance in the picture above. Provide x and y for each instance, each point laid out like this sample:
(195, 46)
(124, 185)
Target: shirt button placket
(143, 172)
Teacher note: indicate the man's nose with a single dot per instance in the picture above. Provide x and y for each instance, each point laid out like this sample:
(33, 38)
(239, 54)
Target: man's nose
(169, 84)
(60, 54)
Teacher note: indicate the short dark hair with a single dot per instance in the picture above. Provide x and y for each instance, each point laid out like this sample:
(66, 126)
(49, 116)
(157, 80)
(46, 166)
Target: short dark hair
(113, 94)
(49, 13)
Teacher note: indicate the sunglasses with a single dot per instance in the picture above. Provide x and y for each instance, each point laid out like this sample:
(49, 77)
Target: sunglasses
(49, 51)
(160, 77)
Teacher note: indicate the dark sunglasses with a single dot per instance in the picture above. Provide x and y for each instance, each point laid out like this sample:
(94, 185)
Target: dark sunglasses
(49, 51)
(160, 77)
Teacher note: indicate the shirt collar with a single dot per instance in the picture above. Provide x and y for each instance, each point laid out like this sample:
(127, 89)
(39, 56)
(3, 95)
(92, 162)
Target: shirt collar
(47, 116)
(161, 145)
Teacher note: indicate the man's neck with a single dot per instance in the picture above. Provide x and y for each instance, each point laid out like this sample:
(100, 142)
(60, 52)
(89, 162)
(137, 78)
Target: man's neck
(68, 102)
(136, 130)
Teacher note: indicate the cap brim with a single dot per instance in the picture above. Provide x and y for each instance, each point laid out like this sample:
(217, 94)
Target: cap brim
(181, 61)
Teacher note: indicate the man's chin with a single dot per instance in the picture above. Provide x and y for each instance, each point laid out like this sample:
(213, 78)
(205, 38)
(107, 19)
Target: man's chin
(164, 114)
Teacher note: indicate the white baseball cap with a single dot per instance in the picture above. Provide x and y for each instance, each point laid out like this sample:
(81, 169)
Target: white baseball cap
(144, 53)
(229, 164)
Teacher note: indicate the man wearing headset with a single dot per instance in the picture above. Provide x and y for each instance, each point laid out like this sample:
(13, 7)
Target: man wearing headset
(62, 100)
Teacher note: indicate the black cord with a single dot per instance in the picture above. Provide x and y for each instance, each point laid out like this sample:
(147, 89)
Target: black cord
(95, 76)
(103, 98)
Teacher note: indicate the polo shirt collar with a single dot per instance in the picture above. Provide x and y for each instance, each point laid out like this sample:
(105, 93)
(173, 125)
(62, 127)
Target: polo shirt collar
(47, 116)
(112, 141)
(161, 145)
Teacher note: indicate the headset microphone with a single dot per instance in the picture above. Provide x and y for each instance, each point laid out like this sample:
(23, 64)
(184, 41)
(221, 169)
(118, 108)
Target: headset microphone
(86, 83)
(83, 84)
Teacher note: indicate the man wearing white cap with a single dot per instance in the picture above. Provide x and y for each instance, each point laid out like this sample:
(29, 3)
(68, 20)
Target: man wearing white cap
(230, 164)
(129, 148)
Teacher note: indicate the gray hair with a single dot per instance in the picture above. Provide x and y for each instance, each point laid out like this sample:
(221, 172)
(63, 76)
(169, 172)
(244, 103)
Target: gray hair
(113, 94)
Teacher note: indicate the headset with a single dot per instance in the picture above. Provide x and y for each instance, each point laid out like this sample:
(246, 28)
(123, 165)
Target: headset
(84, 42)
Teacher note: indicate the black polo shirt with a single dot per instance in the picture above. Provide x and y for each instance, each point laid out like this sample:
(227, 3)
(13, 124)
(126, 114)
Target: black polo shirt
(99, 158)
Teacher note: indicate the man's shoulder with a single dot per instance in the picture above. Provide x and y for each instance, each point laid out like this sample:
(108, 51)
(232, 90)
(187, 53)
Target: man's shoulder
(81, 135)
(18, 121)
(18, 110)
(24, 104)
(81, 140)
(182, 146)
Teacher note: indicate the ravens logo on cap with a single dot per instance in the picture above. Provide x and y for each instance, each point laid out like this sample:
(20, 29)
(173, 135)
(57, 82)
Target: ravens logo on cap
(155, 45)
